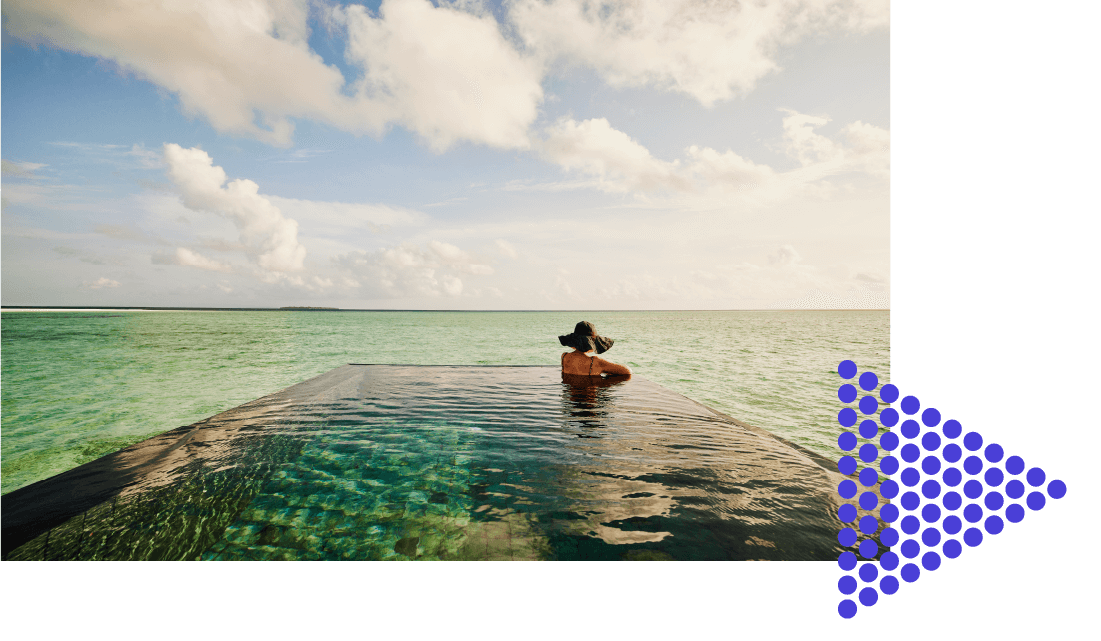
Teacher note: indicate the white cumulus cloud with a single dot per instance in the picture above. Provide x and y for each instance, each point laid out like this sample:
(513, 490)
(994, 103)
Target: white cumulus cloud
(270, 239)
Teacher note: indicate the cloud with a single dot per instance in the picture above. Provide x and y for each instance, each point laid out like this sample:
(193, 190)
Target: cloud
(621, 164)
(247, 67)
(409, 270)
(19, 169)
(270, 239)
(711, 51)
(100, 284)
(506, 248)
(189, 258)
(594, 147)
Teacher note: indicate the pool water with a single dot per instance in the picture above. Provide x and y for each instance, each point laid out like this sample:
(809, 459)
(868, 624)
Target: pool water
(376, 462)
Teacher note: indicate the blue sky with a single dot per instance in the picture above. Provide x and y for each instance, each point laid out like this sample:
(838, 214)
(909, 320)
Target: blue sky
(517, 155)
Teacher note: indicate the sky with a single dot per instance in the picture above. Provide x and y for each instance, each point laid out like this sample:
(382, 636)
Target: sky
(527, 154)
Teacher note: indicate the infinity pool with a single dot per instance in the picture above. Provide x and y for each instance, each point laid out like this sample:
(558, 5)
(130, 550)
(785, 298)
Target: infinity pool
(374, 462)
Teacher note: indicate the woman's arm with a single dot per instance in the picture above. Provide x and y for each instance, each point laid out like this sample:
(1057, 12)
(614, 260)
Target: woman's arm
(610, 368)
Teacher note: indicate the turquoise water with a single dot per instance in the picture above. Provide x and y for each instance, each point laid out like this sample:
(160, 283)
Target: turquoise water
(79, 385)
(406, 462)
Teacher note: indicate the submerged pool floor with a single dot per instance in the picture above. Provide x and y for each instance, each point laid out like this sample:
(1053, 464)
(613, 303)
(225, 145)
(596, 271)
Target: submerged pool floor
(375, 462)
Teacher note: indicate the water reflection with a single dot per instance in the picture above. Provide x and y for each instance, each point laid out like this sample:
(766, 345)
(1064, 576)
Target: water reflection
(588, 400)
(400, 462)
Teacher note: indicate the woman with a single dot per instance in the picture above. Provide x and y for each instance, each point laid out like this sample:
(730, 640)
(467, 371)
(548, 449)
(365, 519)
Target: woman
(579, 362)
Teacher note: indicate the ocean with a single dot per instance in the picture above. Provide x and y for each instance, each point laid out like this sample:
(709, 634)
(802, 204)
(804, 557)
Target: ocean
(79, 385)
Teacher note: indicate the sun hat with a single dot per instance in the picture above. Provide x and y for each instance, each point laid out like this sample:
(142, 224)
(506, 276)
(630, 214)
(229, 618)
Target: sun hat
(585, 338)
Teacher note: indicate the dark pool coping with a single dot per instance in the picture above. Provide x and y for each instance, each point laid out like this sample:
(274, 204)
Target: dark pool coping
(33, 509)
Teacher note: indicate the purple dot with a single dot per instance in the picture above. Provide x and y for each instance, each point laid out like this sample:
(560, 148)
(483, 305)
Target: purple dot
(889, 585)
(993, 477)
(1014, 489)
(888, 464)
(1057, 489)
(971, 489)
(868, 453)
(930, 489)
(1035, 477)
(888, 513)
(973, 513)
(868, 548)
(869, 524)
(1035, 501)
(868, 597)
(931, 513)
(889, 417)
(868, 381)
(910, 548)
(972, 465)
(993, 501)
(846, 441)
(930, 536)
(951, 549)
(910, 573)
(846, 393)
(889, 537)
(869, 405)
(951, 501)
(931, 417)
(869, 501)
(847, 513)
(910, 453)
(888, 489)
(952, 452)
(869, 428)
(868, 572)
(847, 609)
(846, 584)
(846, 537)
(972, 441)
(847, 417)
(910, 477)
(888, 561)
(951, 428)
(930, 465)
(952, 524)
(994, 524)
(847, 489)
(910, 428)
(1014, 513)
(910, 501)
(868, 477)
(846, 465)
(1014, 465)
(972, 537)
(931, 440)
(889, 393)
(888, 441)
(847, 561)
(951, 477)
(847, 369)
(930, 561)
(910, 405)
(993, 452)
(910, 524)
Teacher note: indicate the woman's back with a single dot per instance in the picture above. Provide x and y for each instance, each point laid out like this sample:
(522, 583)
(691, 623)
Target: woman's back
(581, 364)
